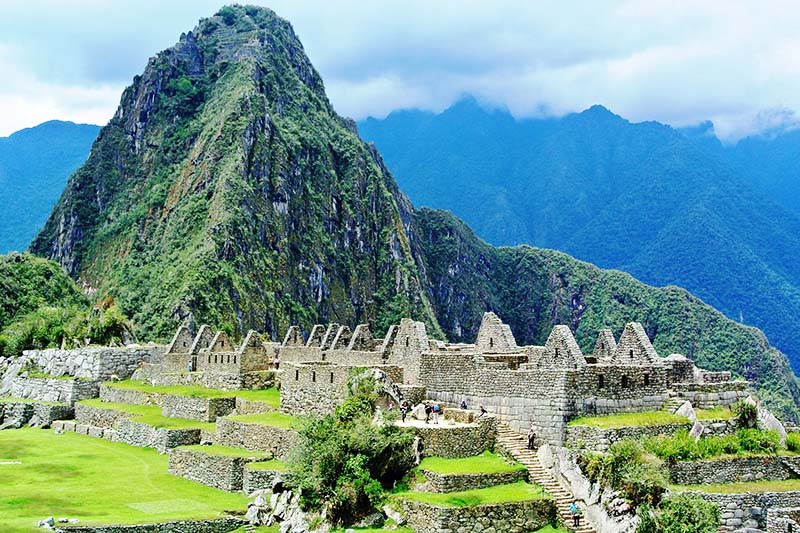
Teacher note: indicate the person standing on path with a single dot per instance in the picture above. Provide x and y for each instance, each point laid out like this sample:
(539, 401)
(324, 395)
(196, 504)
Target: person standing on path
(575, 511)
(277, 362)
(428, 411)
(531, 438)
(403, 410)
(436, 410)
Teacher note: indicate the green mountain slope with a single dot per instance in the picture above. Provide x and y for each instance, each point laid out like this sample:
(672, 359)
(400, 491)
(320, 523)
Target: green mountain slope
(226, 190)
(642, 198)
(534, 288)
(34, 166)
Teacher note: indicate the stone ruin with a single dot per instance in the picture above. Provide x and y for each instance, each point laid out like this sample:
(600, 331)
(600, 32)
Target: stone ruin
(539, 386)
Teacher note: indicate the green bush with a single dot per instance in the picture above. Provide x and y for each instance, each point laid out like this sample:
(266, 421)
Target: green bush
(746, 414)
(679, 513)
(793, 442)
(630, 468)
(682, 447)
(756, 441)
(345, 462)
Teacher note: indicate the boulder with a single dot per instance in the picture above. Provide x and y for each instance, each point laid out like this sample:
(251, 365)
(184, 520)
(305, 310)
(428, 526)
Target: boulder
(697, 430)
(687, 410)
(398, 518)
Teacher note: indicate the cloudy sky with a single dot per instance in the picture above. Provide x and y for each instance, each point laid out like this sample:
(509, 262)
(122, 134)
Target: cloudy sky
(736, 63)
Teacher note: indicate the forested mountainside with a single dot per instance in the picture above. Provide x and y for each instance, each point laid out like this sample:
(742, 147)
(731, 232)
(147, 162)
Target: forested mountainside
(34, 166)
(642, 198)
(226, 190)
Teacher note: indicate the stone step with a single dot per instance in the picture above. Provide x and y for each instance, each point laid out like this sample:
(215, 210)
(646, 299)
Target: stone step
(516, 445)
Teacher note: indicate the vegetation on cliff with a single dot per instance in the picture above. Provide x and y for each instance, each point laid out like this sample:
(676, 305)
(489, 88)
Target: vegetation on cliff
(40, 306)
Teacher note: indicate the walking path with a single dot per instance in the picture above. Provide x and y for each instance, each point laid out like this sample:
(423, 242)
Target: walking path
(515, 444)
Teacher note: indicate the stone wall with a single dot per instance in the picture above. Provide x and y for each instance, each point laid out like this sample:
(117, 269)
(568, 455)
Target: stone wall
(100, 417)
(734, 470)
(783, 520)
(436, 482)
(215, 470)
(249, 407)
(710, 395)
(443, 440)
(318, 388)
(195, 408)
(216, 525)
(498, 518)
(161, 439)
(35, 414)
(128, 396)
(749, 509)
(256, 437)
(260, 478)
(54, 389)
(599, 439)
(94, 362)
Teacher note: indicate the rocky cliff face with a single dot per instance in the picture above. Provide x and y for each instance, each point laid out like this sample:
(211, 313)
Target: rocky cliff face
(226, 190)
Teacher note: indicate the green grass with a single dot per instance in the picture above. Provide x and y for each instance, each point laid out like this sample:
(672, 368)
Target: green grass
(11, 399)
(745, 486)
(269, 396)
(96, 481)
(486, 463)
(272, 418)
(512, 492)
(647, 418)
(552, 529)
(151, 415)
(260, 529)
(216, 449)
(398, 529)
(273, 464)
(717, 413)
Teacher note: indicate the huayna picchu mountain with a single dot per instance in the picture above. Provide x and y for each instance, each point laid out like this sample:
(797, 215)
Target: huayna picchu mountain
(226, 190)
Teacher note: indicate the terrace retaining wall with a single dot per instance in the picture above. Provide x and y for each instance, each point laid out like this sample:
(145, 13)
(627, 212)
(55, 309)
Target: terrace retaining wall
(770, 467)
(498, 518)
(749, 510)
(195, 408)
(256, 437)
(35, 414)
(599, 439)
(217, 525)
(215, 470)
(436, 482)
(443, 440)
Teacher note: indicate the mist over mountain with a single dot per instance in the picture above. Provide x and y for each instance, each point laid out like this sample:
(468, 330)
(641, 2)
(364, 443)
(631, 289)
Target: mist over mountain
(668, 206)
(34, 166)
(226, 190)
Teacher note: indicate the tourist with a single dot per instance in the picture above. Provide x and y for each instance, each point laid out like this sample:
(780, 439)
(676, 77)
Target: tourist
(190, 366)
(463, 404)
(403, 410)
(531, 438)
(483, 411)
(277, 362)
(428, 411)
(436, 410)
(575, 511)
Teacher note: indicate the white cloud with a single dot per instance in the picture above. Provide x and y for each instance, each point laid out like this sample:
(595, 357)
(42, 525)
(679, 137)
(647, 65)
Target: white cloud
(735, 62)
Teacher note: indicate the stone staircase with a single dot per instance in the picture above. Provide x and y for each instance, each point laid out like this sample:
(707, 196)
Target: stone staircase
(515, 444)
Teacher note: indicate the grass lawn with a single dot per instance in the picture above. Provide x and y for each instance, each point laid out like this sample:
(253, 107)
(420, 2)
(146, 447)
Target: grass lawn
(151, 415)
(486, 463)
(272, 418)
(272, 464)
(747, 486)
(647, 418)
(97, 481)
(270, 396)
(216, 449)
(512, 492)
(717, 413)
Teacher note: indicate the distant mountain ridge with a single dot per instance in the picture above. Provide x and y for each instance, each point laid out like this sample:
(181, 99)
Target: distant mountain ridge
(34, 166)
(643, 198)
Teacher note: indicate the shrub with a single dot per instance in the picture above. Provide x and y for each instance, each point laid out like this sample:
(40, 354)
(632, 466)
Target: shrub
(755, 441)
(793, 442)
(746, 414)
(344, 462)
